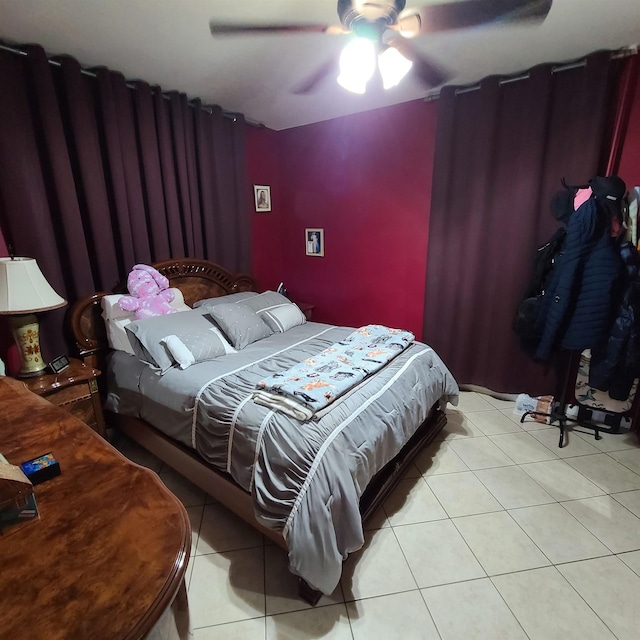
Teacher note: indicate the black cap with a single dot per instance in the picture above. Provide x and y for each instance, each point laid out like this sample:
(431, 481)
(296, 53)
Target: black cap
(610, 188)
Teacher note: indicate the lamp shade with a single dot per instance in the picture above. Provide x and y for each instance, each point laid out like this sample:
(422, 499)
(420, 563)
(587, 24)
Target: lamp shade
(393, 67)
(23, 288)
(357, 65)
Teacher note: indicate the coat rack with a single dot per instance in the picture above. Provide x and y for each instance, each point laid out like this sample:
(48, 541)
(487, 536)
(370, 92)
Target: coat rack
(558, 412)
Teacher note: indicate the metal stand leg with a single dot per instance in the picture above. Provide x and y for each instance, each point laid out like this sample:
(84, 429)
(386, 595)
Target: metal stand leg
(558, 413)
(562, 419)
(553, 416)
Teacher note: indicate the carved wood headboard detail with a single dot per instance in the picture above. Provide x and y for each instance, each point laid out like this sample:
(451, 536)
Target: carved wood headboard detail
(196, 279)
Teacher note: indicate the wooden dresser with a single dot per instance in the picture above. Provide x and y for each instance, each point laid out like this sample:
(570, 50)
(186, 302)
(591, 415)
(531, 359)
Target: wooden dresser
(74, 388)
(107, 555)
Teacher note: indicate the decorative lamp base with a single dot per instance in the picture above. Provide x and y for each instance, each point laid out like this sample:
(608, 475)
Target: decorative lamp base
(27, 336)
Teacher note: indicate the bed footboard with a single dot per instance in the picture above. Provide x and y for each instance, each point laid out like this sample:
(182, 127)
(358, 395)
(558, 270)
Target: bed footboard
(388, 477)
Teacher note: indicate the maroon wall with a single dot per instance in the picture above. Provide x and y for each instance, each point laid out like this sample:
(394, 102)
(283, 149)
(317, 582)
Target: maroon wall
(630, 159)
(366, 180)
(267, 227)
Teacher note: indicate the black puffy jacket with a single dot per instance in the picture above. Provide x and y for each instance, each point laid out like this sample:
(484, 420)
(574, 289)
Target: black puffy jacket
(580, 296)
(616, 363)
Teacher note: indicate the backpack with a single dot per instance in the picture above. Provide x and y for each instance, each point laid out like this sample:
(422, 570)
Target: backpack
(526, 321)
(543, 263)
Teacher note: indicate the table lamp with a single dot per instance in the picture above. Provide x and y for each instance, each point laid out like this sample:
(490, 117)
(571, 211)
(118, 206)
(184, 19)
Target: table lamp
(23, 292)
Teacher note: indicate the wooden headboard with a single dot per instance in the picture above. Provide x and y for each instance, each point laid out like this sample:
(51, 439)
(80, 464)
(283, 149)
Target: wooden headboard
(196, 279)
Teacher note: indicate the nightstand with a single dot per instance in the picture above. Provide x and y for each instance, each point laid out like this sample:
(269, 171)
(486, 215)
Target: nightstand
(307, 309)
(74, 389)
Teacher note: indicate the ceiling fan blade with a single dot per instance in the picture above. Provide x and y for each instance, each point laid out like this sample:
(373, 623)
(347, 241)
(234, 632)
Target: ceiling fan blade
(233, 29)
(471, 13)
(313, 81)
(428, 72)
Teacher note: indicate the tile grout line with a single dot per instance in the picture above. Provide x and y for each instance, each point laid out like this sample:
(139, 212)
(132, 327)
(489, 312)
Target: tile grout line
(528, 476)
(636, 572)
(613, 495)
(595, 613)
(506, 604)
(621, 463)
(604, 489)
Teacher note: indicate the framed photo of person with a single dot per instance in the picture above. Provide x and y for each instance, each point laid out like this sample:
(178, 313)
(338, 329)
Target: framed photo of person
(314, 242)
(262, 197)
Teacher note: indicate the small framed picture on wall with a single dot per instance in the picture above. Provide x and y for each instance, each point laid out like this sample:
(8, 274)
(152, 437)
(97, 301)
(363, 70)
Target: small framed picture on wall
(314, 242)
(262, 196)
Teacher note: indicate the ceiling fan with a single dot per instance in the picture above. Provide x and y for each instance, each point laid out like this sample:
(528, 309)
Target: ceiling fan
(382, 32)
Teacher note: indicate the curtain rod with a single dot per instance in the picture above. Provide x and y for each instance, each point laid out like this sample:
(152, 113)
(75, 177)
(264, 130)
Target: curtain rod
(626, 52)
(86, 72)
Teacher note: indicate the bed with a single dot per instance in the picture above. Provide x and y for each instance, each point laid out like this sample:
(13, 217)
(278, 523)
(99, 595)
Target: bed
(307, 485)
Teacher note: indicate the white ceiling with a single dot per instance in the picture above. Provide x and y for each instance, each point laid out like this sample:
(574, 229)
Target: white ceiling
(167, 42)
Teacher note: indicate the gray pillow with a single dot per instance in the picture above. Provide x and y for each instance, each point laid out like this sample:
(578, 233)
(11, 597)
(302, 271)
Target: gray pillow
(240, 324)
(146, 335)
(276, 310)
(198, 346)
(232, 297)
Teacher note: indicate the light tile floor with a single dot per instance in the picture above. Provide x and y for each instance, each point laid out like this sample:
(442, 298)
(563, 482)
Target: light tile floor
(494, 533)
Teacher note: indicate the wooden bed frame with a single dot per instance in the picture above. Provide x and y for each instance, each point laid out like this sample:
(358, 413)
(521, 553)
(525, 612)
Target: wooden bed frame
(199, 279)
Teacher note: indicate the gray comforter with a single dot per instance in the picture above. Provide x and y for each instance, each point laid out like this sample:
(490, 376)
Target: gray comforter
(306, 478)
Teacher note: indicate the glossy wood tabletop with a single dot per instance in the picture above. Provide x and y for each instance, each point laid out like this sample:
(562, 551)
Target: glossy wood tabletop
(109, 550)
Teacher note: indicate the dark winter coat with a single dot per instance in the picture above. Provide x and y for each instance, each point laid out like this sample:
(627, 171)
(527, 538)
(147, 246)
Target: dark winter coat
(526, 322)
(577, 310)
(616, 364)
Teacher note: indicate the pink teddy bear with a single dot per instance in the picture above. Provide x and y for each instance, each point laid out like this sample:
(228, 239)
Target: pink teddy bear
(150, 293)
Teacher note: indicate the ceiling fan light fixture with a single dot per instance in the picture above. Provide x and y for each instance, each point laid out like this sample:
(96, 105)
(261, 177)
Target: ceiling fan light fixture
(354, 85)
(357, 65)
(409, 25)
(393, 67)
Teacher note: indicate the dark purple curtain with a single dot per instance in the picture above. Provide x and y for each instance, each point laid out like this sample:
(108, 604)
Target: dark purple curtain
(627, 72)
(500, 154)
(97, 175)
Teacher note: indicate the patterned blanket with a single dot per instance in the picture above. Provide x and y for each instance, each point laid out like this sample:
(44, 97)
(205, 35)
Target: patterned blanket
(316, 382)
